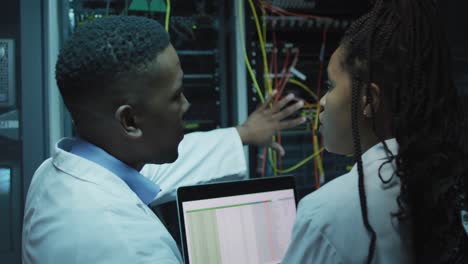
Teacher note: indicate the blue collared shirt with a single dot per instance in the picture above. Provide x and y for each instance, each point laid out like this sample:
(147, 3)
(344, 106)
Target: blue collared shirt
(145, 189)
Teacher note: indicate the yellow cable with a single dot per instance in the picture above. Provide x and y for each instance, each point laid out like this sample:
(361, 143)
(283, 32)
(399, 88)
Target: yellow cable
(168, 14)
(315, 143)
(298, 165)
(262, 40)
(266, 78)
(270, 153)
(263, 23)
(305, 87)
(309, 106)
(318, 159)
(317, 117)
(272, 158)
(246, 58)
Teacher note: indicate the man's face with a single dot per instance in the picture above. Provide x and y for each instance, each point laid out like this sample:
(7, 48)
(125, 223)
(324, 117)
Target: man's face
(160, 115)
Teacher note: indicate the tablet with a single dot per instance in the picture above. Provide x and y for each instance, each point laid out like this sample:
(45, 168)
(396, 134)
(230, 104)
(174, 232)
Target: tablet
(247, 221)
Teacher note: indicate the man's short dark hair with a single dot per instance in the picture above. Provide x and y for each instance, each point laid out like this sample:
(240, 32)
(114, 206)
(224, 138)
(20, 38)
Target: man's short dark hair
(104, 51)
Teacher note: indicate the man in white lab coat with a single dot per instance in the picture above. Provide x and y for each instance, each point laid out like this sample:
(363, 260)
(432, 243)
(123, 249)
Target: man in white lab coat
(121, 79)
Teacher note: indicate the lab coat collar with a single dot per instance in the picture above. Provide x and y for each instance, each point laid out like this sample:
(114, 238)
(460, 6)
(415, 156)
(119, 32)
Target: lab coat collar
(103, 167)
(377, 152)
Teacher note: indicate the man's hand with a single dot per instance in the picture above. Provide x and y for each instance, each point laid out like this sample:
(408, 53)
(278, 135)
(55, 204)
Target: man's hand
(264, 122)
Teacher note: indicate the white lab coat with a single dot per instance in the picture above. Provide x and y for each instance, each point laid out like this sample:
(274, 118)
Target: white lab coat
(79, 212)
(329, 226)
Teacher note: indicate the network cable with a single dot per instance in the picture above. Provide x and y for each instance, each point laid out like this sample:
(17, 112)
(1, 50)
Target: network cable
(262, 46)
(305, 87)
(168, 14)
(318, 165)
(246, 58)
(281, 85)
(298, 165)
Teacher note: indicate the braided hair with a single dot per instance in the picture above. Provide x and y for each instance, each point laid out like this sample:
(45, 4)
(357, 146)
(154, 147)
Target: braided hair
(400, 46)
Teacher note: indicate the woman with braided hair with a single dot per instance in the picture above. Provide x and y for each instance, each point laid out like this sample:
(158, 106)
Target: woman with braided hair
(393, 104)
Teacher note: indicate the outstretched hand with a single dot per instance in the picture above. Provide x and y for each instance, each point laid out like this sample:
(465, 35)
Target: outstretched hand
(265, 121)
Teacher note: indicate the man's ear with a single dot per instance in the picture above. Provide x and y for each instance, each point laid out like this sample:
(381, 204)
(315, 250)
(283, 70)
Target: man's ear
(125, 115)
(371, 103)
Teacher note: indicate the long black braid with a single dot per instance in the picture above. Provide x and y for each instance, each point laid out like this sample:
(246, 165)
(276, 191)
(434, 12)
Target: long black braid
(357, 83)
(357, 155)
(400, 46)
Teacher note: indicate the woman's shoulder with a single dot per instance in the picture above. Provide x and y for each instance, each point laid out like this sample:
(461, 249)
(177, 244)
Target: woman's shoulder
(336, 197)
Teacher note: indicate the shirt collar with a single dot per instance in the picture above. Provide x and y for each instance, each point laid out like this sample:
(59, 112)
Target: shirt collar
(378, 152)
(145, 189)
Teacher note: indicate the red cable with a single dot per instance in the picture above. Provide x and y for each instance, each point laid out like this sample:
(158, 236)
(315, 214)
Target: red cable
(272, 58)
(293, 64)
(324, 43)
(264, 161)
(285, 66)
(275, 50)
(270, 68)
(280, 159)
(316, 173)
(283, 12)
